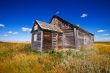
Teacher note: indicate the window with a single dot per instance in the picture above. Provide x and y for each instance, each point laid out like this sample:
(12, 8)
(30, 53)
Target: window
(35, 27)
(35, 37)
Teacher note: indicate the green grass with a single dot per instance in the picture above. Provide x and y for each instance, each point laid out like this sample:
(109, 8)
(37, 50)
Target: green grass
(20, 58)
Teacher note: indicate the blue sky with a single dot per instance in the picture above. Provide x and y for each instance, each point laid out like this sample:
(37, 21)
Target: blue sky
(17, 16)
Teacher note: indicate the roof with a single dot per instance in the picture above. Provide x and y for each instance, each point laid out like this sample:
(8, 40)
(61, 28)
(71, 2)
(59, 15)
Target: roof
(47, 26)
(71, 25)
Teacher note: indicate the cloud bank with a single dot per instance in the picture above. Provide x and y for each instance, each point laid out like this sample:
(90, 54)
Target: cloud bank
(25, 29)
(2, 25)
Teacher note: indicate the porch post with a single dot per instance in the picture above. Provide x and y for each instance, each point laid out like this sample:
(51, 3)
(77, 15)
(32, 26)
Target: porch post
(76, 37)
(84, 38)
(62, 40)
(57, 41)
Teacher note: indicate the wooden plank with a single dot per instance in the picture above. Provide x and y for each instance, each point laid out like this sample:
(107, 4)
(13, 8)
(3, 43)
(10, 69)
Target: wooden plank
(41, 40)
(75, 36)
(77, 40)
(68, 34)
(63, 41)
(84, 39)
(52, 40)
(57, 41)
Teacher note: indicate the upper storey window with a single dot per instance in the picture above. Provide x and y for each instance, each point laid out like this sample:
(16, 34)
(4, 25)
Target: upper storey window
(35, 27)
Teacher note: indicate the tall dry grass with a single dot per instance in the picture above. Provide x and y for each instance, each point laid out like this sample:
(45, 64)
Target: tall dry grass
(103, 48)
(20, 58)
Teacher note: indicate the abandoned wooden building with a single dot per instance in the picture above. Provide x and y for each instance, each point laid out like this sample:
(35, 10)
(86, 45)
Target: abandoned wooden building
(59, 34)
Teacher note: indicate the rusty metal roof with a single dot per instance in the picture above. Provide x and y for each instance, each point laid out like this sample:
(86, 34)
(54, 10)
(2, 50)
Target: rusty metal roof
(48, 26)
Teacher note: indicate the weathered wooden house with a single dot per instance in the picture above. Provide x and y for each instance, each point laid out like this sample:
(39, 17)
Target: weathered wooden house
(59, 34)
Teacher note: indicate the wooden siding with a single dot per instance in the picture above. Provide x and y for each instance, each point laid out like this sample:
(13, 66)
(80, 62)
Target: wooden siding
(68, 39)
(73, 37)
(36, 45)
(60, 41)
(68, 33)
(80, 38)
(55, 40)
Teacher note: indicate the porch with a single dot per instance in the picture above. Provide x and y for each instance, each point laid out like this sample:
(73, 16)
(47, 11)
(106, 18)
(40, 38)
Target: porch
(52, 40)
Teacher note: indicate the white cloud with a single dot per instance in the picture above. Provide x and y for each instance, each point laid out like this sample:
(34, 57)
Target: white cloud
(25, 29)
(58, 12)
(106, 34)
(10, 32)
(13, 33)
(2, 25)
(5, 35)
(84, 15)
(101, 30)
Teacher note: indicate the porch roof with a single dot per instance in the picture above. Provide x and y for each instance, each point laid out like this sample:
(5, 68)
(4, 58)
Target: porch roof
(47, 26)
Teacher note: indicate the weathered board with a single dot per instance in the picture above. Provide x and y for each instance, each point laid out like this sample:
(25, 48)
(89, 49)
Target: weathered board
(55, 40)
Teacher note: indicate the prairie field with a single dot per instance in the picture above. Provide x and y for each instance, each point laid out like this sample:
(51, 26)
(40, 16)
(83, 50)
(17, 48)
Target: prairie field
(20, 58)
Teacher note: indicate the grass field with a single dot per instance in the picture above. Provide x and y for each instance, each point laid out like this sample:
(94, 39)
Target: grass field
(20, 58)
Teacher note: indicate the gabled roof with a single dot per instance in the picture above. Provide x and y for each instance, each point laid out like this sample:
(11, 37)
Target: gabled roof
(47, 26)
(71, 25)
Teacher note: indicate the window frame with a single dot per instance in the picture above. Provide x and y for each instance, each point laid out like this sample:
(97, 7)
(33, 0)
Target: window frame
(35, 38)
